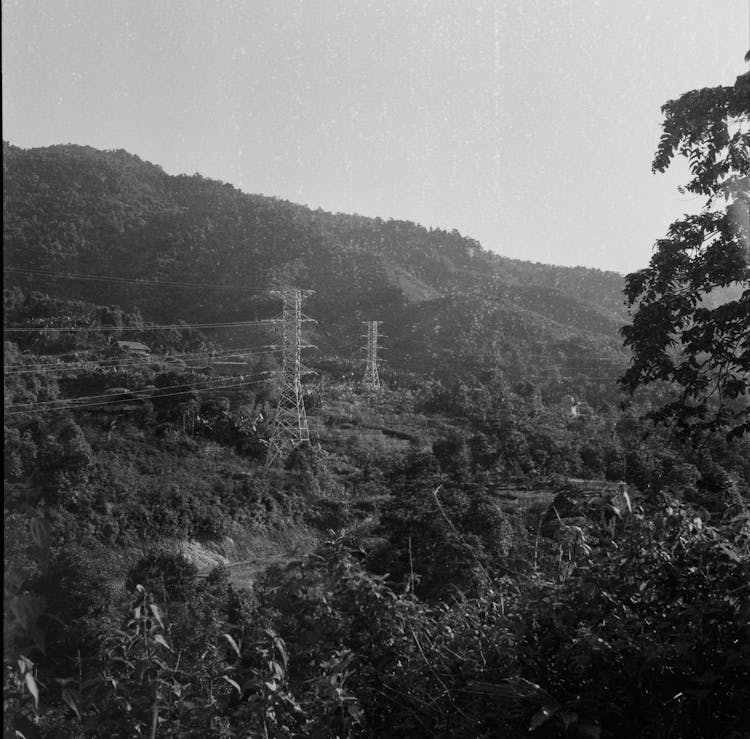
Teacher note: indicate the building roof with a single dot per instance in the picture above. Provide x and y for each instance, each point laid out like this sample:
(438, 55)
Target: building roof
(133, 345)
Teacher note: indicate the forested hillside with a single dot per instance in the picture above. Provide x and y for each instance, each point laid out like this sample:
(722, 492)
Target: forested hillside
(490, 544)
(76, 210)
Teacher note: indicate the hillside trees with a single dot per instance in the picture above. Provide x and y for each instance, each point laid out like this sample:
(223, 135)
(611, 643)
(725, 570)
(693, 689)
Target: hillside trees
(678, 334)
(107, 227)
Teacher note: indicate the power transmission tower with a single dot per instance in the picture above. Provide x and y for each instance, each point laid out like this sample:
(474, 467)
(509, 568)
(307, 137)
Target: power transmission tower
(290, 422)
(372, 378)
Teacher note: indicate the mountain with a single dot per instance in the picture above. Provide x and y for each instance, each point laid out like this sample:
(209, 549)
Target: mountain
(152, 552)
(447, 304)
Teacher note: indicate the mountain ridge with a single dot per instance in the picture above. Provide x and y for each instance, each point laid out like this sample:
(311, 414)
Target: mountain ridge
(72, 209)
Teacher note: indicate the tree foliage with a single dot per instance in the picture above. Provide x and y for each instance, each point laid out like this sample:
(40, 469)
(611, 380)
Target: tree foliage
(679, 333)
(463, 598)
(71, 210)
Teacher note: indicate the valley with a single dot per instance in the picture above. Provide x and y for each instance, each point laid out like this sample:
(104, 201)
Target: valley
(469, 549)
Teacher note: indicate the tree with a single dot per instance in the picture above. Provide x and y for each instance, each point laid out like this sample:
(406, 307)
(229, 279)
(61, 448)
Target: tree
(679, 334)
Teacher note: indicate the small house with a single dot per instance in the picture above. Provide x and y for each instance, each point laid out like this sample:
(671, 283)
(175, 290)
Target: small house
(133, 348)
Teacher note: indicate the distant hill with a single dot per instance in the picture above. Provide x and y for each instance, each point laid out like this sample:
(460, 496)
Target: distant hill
(446, 303)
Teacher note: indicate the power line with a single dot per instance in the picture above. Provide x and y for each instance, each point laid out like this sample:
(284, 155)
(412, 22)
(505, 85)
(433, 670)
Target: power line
(133, 366)
(144, 362)
(114, 399)
(127, 400)
(121, 362)
(143, 329)
(132, 281)
(107, 395)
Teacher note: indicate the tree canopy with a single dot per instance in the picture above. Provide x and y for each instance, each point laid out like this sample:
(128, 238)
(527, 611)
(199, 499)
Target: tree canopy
(680, 333)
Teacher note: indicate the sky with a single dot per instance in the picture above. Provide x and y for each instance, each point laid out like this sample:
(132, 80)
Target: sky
(529, 125)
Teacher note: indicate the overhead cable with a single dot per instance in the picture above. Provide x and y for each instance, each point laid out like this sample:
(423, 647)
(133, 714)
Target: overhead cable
(134, 363)
(142, 329)
(133, 281)
(114, 399)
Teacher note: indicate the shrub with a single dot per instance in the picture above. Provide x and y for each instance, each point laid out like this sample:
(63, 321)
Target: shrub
(169, 576)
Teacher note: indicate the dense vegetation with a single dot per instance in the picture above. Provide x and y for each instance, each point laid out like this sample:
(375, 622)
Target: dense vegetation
(76, 210)
(472, 603)
(466, 553)
(676, 336)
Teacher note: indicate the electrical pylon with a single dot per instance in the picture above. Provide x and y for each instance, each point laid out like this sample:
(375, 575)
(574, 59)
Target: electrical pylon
(372, 378)
(290, 422)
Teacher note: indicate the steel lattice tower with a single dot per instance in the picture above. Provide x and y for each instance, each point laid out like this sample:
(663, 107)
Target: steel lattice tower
(290, 423)
(372, 379)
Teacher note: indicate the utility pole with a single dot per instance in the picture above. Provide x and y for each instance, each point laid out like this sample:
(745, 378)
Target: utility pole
(290, 422)
(372, 379)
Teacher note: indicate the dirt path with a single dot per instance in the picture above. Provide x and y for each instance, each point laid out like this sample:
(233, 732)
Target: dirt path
(248, 556)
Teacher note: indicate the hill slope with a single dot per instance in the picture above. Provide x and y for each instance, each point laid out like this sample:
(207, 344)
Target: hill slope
(78, 210)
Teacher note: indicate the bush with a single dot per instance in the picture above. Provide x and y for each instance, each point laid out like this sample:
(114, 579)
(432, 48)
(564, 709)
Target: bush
(168, 576)
(81, 599)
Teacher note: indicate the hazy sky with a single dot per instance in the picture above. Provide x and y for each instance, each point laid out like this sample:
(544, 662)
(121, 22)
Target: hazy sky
(529, 125)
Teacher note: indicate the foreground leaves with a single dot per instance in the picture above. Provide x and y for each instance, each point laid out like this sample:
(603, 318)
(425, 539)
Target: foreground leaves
(681, 333)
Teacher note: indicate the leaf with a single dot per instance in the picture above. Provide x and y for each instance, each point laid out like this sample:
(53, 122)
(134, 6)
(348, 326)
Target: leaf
(157, 614)
(33, 688)
(280, 647)
(627, 501)
(355, 712)
(23, 728)
(542, 715)
(276, 670)
(232, 643)
(159, 639)
(730, 553)
(233, 684)
(67, 696)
